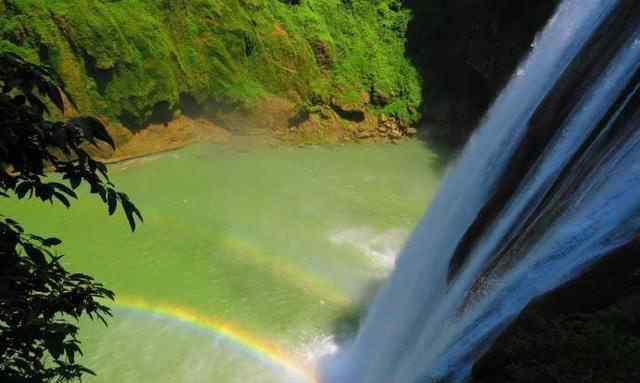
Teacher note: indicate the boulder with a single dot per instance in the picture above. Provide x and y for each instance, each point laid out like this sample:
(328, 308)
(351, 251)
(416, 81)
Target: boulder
(395, 134)
(364, 134)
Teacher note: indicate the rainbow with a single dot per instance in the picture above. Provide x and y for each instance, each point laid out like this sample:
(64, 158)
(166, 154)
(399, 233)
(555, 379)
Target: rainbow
(244, 252)
(219, 327)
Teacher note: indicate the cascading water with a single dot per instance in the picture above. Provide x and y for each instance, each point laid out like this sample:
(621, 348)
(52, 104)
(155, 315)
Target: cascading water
(548, 184)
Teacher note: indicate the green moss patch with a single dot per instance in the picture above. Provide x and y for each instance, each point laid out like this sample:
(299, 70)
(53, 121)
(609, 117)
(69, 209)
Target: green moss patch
(122, 59)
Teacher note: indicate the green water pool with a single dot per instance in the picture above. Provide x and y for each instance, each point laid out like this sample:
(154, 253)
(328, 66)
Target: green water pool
(279, 244)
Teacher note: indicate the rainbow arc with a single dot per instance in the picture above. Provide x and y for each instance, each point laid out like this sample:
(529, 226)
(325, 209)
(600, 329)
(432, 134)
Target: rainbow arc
(219, 327)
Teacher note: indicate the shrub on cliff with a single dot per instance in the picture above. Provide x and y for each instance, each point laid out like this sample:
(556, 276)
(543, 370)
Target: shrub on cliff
(40, 301)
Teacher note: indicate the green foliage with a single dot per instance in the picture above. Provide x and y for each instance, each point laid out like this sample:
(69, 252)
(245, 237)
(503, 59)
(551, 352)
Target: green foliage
(30, 145)
(38, 297)
(38, 342)
(120, 58)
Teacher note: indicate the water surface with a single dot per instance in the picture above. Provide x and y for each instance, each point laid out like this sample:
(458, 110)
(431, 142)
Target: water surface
(248, 260)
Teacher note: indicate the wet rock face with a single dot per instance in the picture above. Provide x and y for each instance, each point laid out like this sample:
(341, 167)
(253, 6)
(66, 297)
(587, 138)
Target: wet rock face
(467, 49)
(586, 331)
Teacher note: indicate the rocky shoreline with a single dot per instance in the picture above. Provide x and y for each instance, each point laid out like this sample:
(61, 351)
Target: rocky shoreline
(388, 128)
(184, 131)
(159, 138)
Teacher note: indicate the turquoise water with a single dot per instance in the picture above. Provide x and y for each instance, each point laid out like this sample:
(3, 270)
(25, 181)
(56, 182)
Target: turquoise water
(281, 243)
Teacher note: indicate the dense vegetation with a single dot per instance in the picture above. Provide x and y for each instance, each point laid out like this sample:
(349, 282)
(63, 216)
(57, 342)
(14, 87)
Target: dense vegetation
(140, 60)
(327, 61)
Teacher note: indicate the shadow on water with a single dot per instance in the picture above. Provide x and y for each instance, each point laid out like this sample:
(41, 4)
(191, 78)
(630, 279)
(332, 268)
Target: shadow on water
(445, 152)
(346, 325)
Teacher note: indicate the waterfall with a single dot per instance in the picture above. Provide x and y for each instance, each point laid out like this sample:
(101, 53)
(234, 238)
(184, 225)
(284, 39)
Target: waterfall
(548, 184)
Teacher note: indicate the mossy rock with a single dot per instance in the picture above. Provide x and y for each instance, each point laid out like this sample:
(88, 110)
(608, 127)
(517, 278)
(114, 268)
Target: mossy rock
(126, 59)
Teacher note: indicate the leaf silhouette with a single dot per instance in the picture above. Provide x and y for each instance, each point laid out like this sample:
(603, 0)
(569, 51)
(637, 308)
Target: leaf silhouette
(112, 200)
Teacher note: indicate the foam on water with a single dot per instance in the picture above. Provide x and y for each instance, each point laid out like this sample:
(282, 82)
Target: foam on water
(383, 247)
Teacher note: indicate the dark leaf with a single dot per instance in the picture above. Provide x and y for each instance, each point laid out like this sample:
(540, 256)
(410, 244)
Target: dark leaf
(102, 168)
(54, 345)
(36, 103)
(112, 200)
(14, 225)
(62, 198)
(137, 213)
(128, 212)
(35, 254)
(63, 188)
(100, 132)
(93, 129)
(51, 242)
(44, 191)
(87, 371)
(70, 350)
(55, 96)
(23, 188)
(74, 180)
(102, 192)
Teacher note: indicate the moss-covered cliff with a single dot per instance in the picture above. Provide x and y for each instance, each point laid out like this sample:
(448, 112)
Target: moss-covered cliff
(304, 63)
(141, 61)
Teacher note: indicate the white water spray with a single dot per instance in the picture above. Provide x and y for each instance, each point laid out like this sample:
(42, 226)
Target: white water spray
(575, 202)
